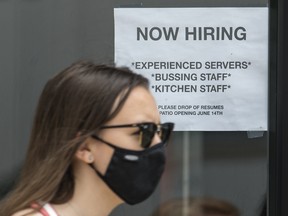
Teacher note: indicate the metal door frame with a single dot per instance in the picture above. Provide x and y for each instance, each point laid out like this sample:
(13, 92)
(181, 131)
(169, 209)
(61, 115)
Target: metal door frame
(278, 110)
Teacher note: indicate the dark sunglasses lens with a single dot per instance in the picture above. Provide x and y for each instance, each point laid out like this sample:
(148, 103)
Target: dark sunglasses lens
(148, 131)
(166, 130)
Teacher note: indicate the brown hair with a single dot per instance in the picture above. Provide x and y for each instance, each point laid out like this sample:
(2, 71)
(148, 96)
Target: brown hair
(202, 206)
(78, 99)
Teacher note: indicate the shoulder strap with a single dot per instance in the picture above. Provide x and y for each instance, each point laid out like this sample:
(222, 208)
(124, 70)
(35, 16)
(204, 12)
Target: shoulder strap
(45, 210)
(49, 209)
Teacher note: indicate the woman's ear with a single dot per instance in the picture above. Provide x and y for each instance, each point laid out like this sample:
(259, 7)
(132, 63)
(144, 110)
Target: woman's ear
(84, 153)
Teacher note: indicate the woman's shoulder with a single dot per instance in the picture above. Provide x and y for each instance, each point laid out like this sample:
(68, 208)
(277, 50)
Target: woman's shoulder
(27, 212)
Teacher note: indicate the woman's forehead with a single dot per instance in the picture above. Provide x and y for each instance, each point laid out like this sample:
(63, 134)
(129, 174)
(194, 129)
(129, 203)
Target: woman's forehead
(140, 106)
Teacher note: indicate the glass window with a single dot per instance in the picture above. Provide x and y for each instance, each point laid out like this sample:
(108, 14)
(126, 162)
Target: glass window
(39, 38)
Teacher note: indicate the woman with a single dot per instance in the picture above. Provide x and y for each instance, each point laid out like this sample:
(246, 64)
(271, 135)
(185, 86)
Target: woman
(96, 142)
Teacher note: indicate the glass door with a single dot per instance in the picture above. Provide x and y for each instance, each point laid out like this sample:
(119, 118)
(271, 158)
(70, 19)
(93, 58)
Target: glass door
(231, 167)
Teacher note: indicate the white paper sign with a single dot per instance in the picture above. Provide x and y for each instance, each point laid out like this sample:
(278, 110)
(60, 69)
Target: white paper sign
(208, 67)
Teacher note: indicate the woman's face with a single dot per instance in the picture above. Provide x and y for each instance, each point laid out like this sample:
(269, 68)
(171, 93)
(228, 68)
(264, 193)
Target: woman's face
(140, 107)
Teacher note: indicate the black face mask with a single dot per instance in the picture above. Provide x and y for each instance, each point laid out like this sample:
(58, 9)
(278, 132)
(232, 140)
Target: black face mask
(134, 175)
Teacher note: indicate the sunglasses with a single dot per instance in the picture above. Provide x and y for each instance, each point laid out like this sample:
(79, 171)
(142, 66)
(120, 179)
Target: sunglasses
(147, 131)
